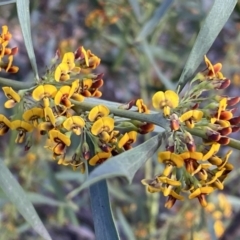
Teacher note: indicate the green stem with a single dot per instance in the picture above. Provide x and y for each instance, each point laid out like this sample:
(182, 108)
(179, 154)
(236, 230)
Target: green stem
(200, 133)
(104, 225)
(156, 118)
(16, 84)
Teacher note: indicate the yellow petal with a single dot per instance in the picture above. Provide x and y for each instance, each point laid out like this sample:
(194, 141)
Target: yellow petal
(63, 92)
(99, 158)
(62, 68)
(98, 111)
(172, 97)
(73, 122)
(77, 97)
(102, 124)
(21, 125)
(49, 116)
(58, 137)
(201, 190)
(68, 59)
(11, 94)
(157, 100)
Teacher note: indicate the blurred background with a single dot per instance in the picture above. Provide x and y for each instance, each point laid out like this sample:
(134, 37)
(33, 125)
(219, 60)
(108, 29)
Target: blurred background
(132, 69)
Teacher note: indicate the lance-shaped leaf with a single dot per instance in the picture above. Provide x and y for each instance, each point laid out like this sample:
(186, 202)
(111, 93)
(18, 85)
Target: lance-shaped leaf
(149, 27)
(104, 225)
(217, 17)
(24, 19)
(124, 165)
(17, 196)
(7, 2)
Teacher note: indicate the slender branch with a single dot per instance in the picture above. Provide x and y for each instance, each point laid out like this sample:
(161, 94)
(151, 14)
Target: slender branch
(16, 84)
(200, 133)
(156, 118)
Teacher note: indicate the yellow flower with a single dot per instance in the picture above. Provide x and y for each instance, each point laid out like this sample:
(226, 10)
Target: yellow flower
(190, 117)
(200, 194)
(102, 127)
(62, 72)
(142, 108)
(153, 185)
(61, 140)
(213, 70)
(93, 60)
(172, 197)
(170, 160)
(190, 159)
(63, 95)
(99, 158)
(44, 127)
(165, 101)
(32, 115)
(75, 124)
(68, 58)
(98, 112)
(82, 54)
(12, 96)
(44, 92)
(49, 116)
(212, 151)
(5, 124)
(22, 127)
(127, 140)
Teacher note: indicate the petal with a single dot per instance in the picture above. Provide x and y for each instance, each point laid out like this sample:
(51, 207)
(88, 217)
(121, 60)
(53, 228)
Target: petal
(196, 155)
(65, 90)
(10, 60)
(62, 68)
(98, 111)
(9, 103)
(185, 116)
(78, 97)
(99, 158)
(222, 106)
(33, 114)
(57, 136)
(157, 100)
(49, 90)
(49, 116)
(5, 120)
(38, 93)
(68, 59)
(11, 94)
(212, 151)
(172, 97)
(18, 124)
(162, 156)
(72, 122)
(123, 140)
(100, 124)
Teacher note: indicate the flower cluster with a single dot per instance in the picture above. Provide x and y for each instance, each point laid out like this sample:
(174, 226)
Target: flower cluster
(6, 53)
(52, 107)
(191, 164)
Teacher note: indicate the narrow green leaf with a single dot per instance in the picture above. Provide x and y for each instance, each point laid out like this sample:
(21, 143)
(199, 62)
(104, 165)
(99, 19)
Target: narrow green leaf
(149, 26)
(136, 9)
(24, 19)
(125, 225)
(124, 165)
(104, 225)
(7, 2)
(36, 198)
(17, 196)
(217, 17)
(147, 51)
